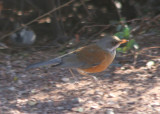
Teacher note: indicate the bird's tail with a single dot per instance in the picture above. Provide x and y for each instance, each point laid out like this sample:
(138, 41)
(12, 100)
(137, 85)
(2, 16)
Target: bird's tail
(55, 62)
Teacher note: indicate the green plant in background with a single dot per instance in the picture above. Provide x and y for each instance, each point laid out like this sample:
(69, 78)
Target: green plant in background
(124, 33)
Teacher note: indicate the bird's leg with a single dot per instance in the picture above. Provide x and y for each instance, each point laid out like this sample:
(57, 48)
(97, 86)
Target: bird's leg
(93, 77)
(75, 78)
(86, 74)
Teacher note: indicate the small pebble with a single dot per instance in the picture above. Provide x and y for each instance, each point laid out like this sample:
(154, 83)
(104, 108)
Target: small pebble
(110, 111)
(111, 103)
(95, 106)
(149, 64)
(76, 100)
(60, 108)
(123, 68)
(20, 82)
(80, 109)
(111, 95)
(12, 88)
(98, 92)
(33, 91)
(32, 102)
(65, 79)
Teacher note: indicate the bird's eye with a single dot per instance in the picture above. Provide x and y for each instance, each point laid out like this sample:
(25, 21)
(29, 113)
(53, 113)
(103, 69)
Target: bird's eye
(114, 42)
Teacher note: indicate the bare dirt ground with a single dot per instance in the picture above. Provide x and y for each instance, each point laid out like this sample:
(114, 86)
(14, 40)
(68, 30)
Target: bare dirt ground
(123, 88)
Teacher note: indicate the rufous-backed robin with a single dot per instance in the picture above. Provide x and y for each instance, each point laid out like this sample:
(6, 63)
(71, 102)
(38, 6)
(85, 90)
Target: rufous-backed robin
(88, 59)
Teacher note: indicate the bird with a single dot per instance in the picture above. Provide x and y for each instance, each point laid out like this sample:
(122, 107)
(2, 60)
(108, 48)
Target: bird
(92, 58)
(23, 37)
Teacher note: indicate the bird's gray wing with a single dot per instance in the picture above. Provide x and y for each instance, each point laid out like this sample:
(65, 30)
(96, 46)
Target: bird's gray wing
(65, 61)
(55, 61)
(71, 61)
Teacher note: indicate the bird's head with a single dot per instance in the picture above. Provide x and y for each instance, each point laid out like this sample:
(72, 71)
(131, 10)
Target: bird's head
(111, 43)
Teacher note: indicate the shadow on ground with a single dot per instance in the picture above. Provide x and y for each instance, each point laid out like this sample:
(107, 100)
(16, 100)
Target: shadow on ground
(122, 89)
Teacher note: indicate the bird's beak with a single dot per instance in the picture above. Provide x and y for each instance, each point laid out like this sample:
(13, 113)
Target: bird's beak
(123, 41)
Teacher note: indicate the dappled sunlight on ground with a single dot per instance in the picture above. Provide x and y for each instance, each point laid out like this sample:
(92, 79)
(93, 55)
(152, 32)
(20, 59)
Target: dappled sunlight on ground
(119, 89)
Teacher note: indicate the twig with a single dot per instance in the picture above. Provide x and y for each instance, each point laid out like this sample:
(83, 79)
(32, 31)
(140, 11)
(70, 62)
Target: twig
(108, 25)
(136, 54)
(147, 48)
(34, 20)
(118, 11)
(100, 31)
(85, 7)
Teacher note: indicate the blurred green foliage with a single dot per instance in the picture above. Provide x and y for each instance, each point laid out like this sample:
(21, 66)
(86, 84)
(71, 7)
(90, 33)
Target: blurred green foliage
(124, 33)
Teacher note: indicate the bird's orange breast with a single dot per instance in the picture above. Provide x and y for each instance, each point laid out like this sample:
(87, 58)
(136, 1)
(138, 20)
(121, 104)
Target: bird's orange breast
(96, 59)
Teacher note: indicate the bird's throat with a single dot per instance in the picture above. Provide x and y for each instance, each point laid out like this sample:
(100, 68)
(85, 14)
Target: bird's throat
(115, 47)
